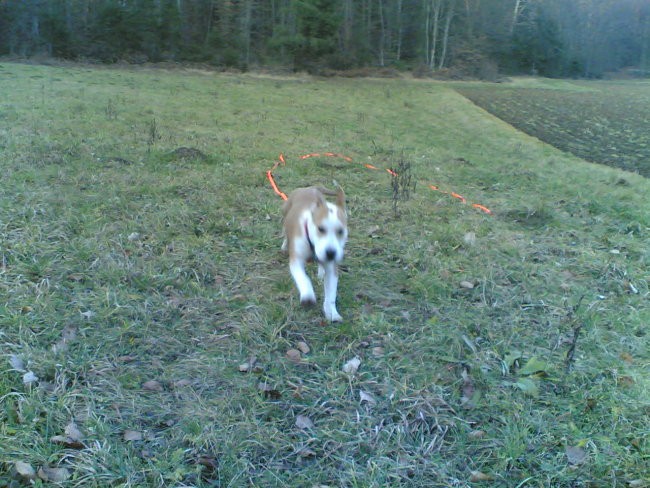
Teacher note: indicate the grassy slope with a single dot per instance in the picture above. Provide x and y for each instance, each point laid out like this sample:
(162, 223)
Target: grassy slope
(115, 274)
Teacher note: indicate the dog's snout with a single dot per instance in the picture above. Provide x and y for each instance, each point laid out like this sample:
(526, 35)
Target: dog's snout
(330, 254)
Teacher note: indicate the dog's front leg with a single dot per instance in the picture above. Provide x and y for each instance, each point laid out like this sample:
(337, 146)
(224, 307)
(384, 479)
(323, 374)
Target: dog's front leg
(331, 284)
(305, 288)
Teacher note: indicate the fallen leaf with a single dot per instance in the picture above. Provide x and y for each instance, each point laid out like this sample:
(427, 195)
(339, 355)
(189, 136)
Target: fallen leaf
(182, 383)
(294, 355)
(305, 452)
(303, 347)
(511, 358)
(624, 380)
(352, 366)
(470, 238)
(528, 386)
(468, 285)
(627, 357)
(16, 363)
(467, 389)
(54, 475)
(576, 455)
(152, 385)
(72, 439)
(640, 483)
(477, 476)
(269, 391)
(73, 432)
(25, 470)
(132, 435)
(476, 434)
(373, 231)
(367, 397)
(133, 236)
(67, 442)
(378, 351)
(303, 422)
(29, 378)
(248, 366)
(534, 365)
(208, 462)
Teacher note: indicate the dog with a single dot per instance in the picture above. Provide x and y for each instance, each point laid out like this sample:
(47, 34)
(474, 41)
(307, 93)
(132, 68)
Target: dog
(315, 230)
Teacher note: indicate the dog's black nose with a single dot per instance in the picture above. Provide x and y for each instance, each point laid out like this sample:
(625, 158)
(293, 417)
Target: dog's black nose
(330, 254)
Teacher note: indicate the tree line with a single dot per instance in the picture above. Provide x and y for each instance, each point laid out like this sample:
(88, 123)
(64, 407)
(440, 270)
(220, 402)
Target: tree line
(583, 38)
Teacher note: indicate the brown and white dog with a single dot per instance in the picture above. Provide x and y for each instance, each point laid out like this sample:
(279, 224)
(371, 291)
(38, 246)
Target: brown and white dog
(315, 230)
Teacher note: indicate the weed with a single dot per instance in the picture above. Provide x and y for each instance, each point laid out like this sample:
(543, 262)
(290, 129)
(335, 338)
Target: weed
(402, 183)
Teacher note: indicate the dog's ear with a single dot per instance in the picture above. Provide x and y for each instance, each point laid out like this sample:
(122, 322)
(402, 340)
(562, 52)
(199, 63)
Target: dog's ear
(320, 201)
(340, 198)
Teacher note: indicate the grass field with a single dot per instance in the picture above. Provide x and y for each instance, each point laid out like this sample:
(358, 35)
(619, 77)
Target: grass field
(146, 310)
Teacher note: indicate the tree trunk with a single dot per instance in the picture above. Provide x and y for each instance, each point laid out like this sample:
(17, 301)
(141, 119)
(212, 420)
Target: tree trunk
(382, 33)
(398, 53)
(434, 33)
(445, 38)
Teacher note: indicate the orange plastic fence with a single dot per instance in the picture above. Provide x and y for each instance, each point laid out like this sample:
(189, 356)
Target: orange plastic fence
(282, 161)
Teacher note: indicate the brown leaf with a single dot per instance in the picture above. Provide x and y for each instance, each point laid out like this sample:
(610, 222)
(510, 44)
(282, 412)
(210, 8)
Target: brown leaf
(152, 385)
(305, 452)
(126, 359)
(476, 434)
(467, 388)
(73, 432)
(132, 435)
(69, 334)
(468, 285)
(182, 383)
(248, 366)
(627, 357)
(367, 397)
(72, 439)
(303, 422)
(209, 463)
(25, 470)
(352, 366)
(54, 475)
(294, 355)
(268, 391)
(639, 483)
(303, 347)
(67, 442)
(29, 378)
(378, 351)
(469, 238)
(477, 476)
(576, 455)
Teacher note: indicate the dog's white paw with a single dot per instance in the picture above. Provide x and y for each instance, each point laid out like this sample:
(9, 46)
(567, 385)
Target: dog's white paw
(308, 300)
(332, 315)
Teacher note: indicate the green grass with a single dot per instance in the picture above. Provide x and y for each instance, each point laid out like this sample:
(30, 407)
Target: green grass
(122, 264)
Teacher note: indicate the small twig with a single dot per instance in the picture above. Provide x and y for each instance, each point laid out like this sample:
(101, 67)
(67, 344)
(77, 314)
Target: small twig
(576, 333)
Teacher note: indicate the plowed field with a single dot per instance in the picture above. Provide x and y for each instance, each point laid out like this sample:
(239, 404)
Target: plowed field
(603, 122)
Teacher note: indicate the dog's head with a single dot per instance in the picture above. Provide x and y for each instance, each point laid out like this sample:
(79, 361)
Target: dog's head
(331, 226)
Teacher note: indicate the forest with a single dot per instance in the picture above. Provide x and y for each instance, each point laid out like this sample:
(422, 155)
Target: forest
(458, 38)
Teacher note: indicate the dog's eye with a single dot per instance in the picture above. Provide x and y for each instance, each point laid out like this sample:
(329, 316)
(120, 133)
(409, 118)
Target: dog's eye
(339, 232)
(321, 229)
